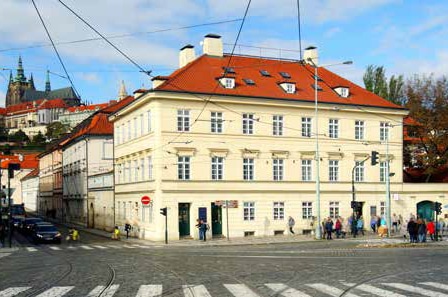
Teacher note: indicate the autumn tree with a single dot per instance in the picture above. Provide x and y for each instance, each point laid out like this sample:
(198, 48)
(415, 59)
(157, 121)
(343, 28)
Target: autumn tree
(376, 82)
(56, 130)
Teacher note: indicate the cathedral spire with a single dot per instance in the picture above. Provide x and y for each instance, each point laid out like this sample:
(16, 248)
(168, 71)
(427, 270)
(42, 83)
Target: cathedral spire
(122, 93)
(31, 82)
(20, 73)
(47, 82)
(11, 79)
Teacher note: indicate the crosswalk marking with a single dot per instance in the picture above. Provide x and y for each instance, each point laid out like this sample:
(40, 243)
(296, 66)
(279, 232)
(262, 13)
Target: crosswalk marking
(2, 255)
(107, 293)
(414, 289)
(55, 292)
(31, 249)
(436, 285)
(13, 291)
(240, 290)
(149, 291)
(115, 246)
(286, 291)
(55, 248)
(195, 291)
(140, 246)
(100, 247)
(332, 291)
(378, 291)
(129, 247)
(86, 247)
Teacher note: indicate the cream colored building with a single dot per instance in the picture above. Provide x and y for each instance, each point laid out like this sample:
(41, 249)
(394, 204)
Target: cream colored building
(243, 129)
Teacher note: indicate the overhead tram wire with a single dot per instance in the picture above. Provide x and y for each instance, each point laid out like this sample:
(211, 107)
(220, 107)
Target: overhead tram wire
(300, 32)
(56, 50)
(122, 35)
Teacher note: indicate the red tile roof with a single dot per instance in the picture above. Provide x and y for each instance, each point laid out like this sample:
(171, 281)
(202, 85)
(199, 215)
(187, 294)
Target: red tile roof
(54, 103)
(32, 174)
(23, 107)
(118, 105)
(200, 76)
(92, 107)
(29, 161)
(2, 111)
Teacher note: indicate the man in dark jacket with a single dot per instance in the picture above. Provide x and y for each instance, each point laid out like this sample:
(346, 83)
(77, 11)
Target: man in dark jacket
(412, 228)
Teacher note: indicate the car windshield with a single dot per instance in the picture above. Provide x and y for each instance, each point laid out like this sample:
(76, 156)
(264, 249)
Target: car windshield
(33, 220)
(47, 228)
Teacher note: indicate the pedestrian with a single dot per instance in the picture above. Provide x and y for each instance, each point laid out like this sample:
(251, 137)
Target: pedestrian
(431, 229)
(400, 222)
(394, 223)
(127, 228)
(343, 227)
(198, 225)
(354, 227)
(360, 225)
(2, 234)
(421, 227)
(412, 227)
(203, 228)
(116, 233)
(373, 221)
(329, 228)
(324, 233)
(338, 227)
(291, 224)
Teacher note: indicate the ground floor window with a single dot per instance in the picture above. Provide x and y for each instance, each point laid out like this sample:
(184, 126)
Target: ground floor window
(334, 209)
(249, 211)
(382, 208)
(279, 210)
(147, 213)
(307, 210)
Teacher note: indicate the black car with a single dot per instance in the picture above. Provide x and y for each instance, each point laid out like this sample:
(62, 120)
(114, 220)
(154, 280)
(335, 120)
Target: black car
(27, 224)
(46, 233)
(16, 221)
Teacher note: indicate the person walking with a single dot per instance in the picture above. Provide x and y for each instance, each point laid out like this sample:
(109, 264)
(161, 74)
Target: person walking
(116, 233)
(412, 227)
(203, 228)
(127, 228)
(338, 227)
(329, 228)
(394, 223)
(421, 227)
(360, 225)
(431, 229)
(373, 221)
(198, 225)
(291, 224)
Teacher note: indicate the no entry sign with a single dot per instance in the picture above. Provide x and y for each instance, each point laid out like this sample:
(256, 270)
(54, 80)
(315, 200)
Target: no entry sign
(145, 200)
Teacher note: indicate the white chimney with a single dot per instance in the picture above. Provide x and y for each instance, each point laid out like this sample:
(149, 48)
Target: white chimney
(158, 80)
(186, 55)
(213, 45)
(310, 53)
(139, 92)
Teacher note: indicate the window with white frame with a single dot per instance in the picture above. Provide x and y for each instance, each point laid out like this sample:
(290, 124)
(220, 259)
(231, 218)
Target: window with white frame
(146, 212)
(333, 170)
(216, 122)
(135, 170)
(119, 209)
(290, 88)
(277, 125)
(384, 131)
(279, 210)
(334, 209)
(118, 134)
(183, 168)
(359, 130)
(183, 120)
(382, 208)
(148, 121)
(135, 128)
(249, 211)
(306, 170)
(124, 213)
(217, 168)
(248, 123)
(333, 128)
(142, 125)
(277, 168)
(149, 160)
(248, 169)
(127, 171)
(383, 171)
(307, 210)
(142, 169)
(229, 83)
(123, 133)
(119, 174)
(359, 171)
(129, 128)
(306, 127)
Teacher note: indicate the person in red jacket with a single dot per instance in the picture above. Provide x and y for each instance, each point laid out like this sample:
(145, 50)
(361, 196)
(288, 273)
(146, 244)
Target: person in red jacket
(431, 229)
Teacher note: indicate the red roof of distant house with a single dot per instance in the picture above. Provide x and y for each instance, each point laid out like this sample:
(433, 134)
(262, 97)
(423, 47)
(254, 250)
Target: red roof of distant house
(92, 107)
(32, 174)
(29, 161)
(54, 103)
(118, 105)
(200, 76)
(2, 111)
(23, 107)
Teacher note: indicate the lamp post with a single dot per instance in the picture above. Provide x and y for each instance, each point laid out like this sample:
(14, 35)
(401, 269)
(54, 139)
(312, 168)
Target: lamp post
(316, 137)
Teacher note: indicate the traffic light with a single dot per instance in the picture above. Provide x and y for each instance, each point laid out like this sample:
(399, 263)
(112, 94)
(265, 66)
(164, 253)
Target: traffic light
(374, 158)
(438, 207)
(163, 211)
(356, 205)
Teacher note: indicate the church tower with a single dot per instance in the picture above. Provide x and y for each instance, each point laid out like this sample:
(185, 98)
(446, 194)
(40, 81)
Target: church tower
(18, 85)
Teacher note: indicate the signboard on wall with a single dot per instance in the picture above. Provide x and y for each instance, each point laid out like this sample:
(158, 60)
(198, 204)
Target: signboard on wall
(202, 213)
(230, 203)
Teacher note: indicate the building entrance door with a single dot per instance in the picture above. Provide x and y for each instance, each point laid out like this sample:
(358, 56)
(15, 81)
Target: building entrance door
(216, 220)
(184, 219)
(425, 210)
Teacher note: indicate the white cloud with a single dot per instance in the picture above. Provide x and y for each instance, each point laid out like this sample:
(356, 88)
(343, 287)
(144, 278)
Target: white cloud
(332, 32)
(92, 78)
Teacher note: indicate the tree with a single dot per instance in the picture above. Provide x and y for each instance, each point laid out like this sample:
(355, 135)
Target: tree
(56, 130)
(3, 134)
(376, 82)
(19, 136)
(427, 101)
(39, 139)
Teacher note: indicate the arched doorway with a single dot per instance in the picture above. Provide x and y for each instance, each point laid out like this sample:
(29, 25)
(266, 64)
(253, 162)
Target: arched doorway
(425, 210)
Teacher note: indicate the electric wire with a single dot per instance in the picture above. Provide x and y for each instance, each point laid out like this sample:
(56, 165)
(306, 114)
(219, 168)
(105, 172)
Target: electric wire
(55, 49)
(300, 32)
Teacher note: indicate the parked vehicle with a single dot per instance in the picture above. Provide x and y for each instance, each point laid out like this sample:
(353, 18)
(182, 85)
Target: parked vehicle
(46, 233)
(27, 224)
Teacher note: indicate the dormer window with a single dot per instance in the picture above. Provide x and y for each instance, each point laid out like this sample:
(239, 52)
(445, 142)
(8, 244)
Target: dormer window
(344, 92)
(249, 81)
(265, 73)
(285, 75)
(288, 87)
(319, 88)
(228, 70)
(227, 82)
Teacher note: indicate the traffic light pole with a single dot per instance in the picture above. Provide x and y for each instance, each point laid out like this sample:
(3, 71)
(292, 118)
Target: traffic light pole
(166, 227)
(9, 209)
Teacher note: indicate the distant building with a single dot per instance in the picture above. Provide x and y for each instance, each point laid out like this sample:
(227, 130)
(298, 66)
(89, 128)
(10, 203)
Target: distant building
(30, 189)
(74, 115)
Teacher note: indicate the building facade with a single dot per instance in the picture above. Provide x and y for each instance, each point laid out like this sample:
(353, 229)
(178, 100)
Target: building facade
(30, 190)
(243, 131)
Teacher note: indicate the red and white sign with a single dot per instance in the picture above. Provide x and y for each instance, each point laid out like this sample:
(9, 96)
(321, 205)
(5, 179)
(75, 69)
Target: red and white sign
(146, 200)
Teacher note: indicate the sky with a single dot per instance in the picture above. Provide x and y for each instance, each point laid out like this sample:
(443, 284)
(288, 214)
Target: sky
(406, 37)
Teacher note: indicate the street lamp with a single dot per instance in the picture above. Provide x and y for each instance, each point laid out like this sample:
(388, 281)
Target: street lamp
(316, 136)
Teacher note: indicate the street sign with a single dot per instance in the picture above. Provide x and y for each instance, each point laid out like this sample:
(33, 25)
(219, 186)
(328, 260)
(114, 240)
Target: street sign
(146, 200)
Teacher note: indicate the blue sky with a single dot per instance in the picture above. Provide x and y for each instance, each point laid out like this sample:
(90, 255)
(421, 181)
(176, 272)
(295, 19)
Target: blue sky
(407, 37)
